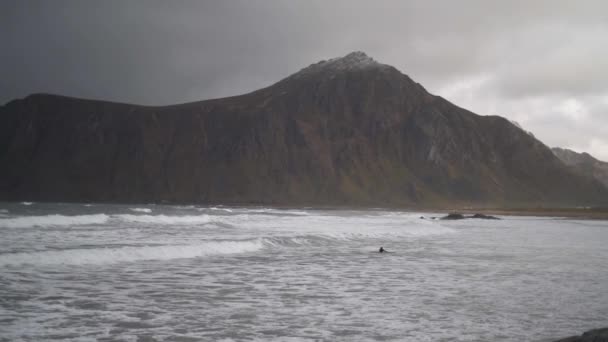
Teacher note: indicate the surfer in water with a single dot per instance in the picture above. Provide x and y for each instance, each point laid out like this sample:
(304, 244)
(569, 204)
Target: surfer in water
(381, 250)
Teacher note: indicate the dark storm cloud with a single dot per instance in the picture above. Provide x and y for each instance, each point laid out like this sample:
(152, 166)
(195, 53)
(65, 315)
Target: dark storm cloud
(541, 62)
(149, 53)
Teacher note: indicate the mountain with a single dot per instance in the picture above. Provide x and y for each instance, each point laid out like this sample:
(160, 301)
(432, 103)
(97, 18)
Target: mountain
(348, 132)
(583, 164)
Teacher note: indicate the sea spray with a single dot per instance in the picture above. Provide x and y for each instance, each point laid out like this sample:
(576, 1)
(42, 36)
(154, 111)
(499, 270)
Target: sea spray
(141, 210)
(52, 220)
(101, 256)
(165, 219)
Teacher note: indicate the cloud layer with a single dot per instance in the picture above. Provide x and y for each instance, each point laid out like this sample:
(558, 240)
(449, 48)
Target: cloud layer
(540, 63)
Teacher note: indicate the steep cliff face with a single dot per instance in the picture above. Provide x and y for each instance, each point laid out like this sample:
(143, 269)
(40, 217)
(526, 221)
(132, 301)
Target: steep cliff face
(347, 131)
(583, 164)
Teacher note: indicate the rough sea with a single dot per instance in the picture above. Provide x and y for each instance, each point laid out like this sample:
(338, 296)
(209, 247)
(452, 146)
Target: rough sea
(88, 272)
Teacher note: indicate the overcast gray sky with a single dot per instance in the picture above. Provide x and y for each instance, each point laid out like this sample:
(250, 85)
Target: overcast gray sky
(543, 64)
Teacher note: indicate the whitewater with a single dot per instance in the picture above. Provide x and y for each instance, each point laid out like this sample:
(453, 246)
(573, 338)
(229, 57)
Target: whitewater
(92, 272)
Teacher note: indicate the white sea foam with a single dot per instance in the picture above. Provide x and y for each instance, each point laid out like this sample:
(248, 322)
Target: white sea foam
(101, 256)
(338, 227)
(411, 231)
(278, 211)
(318, 270)
(298, 240)
(184, 207)
(216, 208)
(27, 203)
(52, 220)
(165, 219)
(141, 210)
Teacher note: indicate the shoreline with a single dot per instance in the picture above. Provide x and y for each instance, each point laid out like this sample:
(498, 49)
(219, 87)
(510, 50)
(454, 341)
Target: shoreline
(567, 213)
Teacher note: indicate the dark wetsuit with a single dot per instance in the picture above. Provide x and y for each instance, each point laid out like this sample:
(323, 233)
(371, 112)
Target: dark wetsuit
(381, 250)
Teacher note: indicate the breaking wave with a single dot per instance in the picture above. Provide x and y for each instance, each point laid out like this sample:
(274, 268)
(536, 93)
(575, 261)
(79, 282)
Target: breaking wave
(101, 256)
(165, 219)
(282, 212)
(216, 208)
(52, 220)
(79, 220)
(141, 210)
(300, 240)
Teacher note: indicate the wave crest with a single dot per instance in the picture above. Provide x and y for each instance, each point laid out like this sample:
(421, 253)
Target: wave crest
(165, 219)
(53, 220)
(141, 210)
(101, 256)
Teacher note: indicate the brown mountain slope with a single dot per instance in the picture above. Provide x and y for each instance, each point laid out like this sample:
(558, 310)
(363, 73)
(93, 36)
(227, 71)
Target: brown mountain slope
(347, 131)
(584, 164)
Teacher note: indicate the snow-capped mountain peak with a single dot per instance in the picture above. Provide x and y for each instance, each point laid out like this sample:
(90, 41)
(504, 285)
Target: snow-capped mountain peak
(352, 61)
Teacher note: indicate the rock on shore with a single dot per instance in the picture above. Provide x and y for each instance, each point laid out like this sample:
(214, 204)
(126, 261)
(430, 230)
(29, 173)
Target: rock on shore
(597, 335)
(457, 216)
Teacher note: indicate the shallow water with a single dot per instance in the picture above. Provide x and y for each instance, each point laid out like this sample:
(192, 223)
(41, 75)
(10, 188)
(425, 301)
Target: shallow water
(187, 273)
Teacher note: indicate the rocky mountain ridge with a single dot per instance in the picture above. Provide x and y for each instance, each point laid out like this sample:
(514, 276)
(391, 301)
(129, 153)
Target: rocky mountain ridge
(584, 164)
(344, 132)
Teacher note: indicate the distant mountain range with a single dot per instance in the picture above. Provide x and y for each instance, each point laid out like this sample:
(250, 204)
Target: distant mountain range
(343, 132)
(583, 164)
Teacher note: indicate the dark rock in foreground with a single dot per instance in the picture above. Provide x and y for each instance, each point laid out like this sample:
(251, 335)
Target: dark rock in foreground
(597, 335)
(456, 216)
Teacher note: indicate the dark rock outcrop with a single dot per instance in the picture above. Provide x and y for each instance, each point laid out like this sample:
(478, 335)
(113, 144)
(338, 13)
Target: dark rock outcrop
(347, 131)
(453, 216)
(485, 217)
(598, 335)
(583, 164)
(457, 216)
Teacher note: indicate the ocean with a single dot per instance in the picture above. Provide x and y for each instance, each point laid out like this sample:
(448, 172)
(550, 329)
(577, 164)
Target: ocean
(92, 272)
